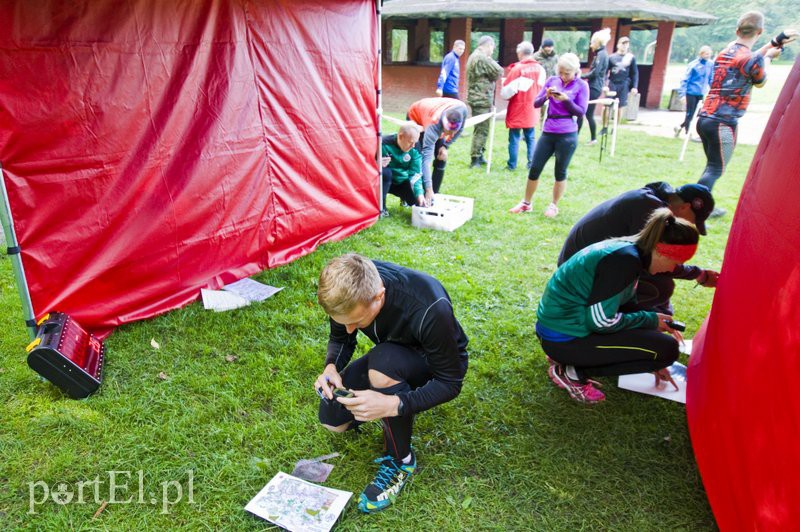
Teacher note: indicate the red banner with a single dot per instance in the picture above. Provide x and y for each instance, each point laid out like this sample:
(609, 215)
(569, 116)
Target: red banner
(153, 148)
(744, 415)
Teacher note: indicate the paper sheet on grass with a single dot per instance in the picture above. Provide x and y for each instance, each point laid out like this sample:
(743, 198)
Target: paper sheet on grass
(220, 300)
(251, 290)
(295, 504)
(645, 383)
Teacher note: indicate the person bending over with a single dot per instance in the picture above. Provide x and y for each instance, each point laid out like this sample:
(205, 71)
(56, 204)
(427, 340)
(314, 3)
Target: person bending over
(402, 171)
(579, 322)
(442, 120)
(567, 95)
(627, 214)
(419, 359)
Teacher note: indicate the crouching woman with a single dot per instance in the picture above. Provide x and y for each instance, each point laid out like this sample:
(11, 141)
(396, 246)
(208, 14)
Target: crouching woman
(579, 323)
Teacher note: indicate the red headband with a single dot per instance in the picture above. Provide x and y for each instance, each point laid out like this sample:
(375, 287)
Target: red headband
(678, 252)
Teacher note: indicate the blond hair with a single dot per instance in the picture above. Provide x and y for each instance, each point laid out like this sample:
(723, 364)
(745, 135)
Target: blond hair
(750, 24)
(663, 226)
(345, 282)
(569, 61)
(601, 37)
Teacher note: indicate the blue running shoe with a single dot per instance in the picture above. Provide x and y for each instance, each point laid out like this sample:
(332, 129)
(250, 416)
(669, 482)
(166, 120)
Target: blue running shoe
(391, 477)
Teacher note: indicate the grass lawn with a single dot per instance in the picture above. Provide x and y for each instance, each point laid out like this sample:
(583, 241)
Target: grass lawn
(512, 452)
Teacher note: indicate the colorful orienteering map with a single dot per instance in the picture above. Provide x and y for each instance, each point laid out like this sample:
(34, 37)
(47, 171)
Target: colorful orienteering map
(295, 504)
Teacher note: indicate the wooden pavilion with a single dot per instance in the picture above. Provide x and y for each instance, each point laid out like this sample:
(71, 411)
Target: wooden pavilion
(409, 71)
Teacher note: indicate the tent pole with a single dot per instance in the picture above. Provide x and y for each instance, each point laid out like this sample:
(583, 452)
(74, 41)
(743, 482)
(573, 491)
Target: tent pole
(379, 104)
(16, 258)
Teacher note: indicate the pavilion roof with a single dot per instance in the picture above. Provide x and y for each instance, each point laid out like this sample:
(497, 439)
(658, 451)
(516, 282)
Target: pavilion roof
(561, 11)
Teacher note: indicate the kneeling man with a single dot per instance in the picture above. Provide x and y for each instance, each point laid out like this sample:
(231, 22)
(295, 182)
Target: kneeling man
(419, 359)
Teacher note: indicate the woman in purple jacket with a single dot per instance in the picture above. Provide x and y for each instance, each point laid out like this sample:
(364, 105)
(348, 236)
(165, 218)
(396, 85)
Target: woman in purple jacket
(568, 96)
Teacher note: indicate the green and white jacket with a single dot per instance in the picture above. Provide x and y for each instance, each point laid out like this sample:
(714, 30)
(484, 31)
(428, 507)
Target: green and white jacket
(584, 295)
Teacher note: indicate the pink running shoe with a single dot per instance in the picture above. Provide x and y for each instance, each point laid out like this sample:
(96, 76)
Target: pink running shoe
(551, 211)
(583, 392)
(520, 207)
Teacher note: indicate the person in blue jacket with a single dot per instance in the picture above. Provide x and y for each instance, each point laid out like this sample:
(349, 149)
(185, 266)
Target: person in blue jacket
(447, 84)
(694, 85)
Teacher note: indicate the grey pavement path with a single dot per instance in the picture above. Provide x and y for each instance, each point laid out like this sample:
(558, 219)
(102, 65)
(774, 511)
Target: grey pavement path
(661, 123)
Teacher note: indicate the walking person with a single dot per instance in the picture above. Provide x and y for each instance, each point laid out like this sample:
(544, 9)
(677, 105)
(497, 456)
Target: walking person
(737, 69)
(450, 73)
(694, 85)
(596, 78)
(567, 95)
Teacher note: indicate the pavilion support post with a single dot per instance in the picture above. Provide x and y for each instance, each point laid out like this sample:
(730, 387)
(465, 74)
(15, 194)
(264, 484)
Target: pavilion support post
(422, 41)
(512, 33)
(537, 34)
(461, 28)
(660, 61)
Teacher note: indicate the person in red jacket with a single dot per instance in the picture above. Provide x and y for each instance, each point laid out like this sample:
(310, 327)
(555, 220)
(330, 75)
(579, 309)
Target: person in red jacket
(524, 81)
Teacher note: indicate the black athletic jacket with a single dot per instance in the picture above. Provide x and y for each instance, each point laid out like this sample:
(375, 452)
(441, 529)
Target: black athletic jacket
(417, 313)
(624, 215)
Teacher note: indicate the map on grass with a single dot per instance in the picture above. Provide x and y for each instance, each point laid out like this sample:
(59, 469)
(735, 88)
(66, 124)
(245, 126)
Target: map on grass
(295, 504)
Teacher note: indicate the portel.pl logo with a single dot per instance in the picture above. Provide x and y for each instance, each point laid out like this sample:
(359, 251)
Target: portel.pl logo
(121, 487)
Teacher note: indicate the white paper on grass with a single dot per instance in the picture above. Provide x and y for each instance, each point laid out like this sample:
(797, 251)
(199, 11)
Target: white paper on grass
(251, 290)
(220, 300)
(295, 504)
(646, 383)
(686, 346)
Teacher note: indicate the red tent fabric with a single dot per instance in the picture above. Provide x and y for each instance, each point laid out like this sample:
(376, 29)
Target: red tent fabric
(152, 148)
(744, 413)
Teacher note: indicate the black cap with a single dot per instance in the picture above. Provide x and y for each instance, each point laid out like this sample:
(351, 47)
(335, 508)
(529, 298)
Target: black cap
(548, 42)
(702, 202)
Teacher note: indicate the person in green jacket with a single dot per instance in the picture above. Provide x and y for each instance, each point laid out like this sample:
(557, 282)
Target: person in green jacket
(482, 75)
(579, 323)
(402, 170)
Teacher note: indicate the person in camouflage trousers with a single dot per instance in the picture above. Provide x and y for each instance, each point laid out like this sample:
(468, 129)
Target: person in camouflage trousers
(482, 73)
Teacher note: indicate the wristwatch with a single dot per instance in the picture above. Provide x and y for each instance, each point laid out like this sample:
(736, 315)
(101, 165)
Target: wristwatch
(401, 408)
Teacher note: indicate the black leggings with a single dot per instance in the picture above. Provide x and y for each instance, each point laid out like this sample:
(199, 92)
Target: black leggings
(691, 105)
(620, 353)
(562, 145)
(719, 140)
(590, 115)
(437, 175)
(399, 363)
(401, 190)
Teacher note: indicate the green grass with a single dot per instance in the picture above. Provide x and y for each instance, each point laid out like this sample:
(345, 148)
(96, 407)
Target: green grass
(512, 452)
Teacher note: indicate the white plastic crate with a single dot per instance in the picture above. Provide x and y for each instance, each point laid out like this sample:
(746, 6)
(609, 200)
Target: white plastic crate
(448, 213)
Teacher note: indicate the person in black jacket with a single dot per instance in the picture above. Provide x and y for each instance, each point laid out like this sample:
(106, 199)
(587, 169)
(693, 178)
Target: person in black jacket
(596, 76)
(626, 215)
(419, 359)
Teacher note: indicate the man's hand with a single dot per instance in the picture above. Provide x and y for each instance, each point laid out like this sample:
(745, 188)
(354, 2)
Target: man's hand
(442, 155)
(329, 380)
(385, 161)
(662, 326)
(634, 90)
(439, 92)
(708, 278)
(428, 197)
(368, 405)
(421, 200)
